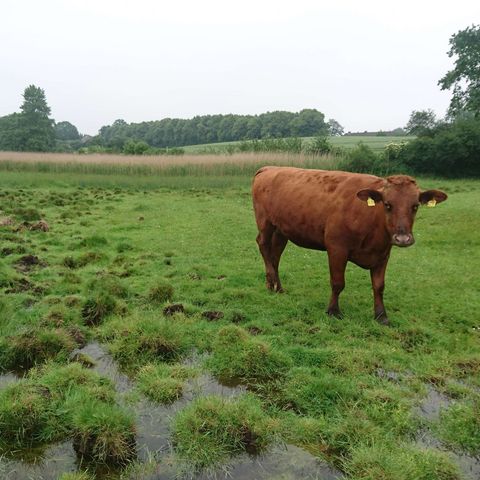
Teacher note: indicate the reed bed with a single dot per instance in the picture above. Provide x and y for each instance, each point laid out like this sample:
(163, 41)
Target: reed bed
(164, 165)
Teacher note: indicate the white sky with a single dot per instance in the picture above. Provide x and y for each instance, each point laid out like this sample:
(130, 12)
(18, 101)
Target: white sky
(367, 63)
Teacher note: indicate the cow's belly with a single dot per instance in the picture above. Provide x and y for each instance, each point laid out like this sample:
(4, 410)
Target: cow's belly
(369, 259)
(307, 243)
(304, 236)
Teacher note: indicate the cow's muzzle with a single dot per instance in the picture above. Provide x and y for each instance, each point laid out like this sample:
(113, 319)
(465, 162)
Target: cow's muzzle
(403, 239)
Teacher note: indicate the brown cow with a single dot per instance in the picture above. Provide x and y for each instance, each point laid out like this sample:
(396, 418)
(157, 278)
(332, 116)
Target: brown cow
(354, 217)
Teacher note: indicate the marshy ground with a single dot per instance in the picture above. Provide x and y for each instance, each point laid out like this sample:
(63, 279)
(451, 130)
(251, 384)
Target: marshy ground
(137, 340)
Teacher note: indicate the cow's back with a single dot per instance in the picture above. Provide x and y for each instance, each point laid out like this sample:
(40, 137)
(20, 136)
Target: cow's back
(311, 207)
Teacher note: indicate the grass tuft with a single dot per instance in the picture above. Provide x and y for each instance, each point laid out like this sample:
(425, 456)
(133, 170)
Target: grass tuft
(35, 346)
(138, 341)
(103, 433)
(160, 293)
(212, 429)
(97, 307)
(163, 383)
(239, 357)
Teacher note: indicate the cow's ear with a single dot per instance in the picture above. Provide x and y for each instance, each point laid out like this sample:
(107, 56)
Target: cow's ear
(429, 195)
(375, 195)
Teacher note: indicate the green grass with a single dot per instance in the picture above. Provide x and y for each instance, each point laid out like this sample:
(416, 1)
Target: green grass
(315, 381)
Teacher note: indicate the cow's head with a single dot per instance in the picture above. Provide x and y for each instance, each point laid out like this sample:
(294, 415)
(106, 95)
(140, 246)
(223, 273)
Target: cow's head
(400, 197)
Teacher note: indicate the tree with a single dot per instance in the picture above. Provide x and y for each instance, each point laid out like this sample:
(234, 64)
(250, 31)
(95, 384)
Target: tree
(9, 138)
(420, 122)
(35, 130)
(31, 129)
(465, 76)
(66, 131)
(335, 129)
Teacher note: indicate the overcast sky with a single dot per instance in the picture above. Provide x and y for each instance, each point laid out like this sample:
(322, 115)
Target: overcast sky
(367, 63)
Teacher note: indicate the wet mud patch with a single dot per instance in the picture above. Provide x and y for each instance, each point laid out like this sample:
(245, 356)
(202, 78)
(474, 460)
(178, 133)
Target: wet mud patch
(173, 308)
(212, 315)
(432, 405)
(22, 285)
(28, 262)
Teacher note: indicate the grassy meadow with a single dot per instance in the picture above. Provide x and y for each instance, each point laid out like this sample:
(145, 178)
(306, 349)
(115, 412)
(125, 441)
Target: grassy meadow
(159, 265)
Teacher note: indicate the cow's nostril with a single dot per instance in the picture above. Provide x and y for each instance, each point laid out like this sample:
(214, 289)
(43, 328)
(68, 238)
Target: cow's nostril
(403, 240)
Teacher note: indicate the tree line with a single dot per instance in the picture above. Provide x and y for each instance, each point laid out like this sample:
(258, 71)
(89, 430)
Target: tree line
(175, 132)
(32, 129)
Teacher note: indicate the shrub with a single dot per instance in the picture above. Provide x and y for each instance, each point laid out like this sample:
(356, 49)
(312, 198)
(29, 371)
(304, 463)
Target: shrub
(361, 159)
(319, 146)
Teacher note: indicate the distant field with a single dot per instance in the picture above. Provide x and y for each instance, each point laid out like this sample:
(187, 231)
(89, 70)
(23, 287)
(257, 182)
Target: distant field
(374, 142)
(377, 143)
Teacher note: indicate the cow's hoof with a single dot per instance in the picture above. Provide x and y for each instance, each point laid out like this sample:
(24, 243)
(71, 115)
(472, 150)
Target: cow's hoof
(334, 312)
(278, 288)
(382, 319)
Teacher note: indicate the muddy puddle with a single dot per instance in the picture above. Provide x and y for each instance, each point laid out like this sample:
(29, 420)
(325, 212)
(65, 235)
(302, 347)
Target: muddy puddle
(430, 409)
(153, 438)
(432, 405)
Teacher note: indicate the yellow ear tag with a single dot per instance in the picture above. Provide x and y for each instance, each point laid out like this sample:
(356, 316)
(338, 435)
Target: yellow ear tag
(370, 202)
(431, 203)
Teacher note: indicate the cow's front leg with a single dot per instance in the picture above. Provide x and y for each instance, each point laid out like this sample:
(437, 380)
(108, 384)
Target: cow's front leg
(337, 261)
(377, 275)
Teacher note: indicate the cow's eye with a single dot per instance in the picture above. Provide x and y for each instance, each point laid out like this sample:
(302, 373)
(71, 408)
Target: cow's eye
(388, 207)
(415, 208)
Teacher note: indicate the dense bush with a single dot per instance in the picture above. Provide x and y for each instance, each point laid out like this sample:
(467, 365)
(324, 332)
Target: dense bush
(449, 150)
(361, 159)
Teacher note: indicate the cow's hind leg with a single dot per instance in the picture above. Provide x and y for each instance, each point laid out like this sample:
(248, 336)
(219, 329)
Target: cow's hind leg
(264, 241)
(337, 261)
(279, 242)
